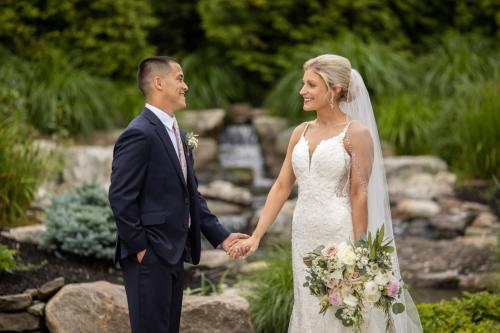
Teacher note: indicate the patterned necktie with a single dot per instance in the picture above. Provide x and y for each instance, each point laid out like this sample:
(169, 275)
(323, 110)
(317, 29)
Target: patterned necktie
(180, 149)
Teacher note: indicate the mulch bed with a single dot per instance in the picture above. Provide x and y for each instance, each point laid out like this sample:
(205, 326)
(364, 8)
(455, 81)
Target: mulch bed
(42, 266)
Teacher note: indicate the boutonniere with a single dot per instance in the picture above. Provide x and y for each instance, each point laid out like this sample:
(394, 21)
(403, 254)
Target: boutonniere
(192, 140)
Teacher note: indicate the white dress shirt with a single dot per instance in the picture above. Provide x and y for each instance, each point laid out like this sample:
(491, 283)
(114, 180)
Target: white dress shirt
(167, 121)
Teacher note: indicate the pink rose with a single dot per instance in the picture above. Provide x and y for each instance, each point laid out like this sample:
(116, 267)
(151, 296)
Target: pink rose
(393, 287)
(330, 250)
(334, 297)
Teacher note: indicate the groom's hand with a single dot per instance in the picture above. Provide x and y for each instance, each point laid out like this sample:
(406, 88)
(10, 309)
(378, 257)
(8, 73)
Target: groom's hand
(140, 255)
(231, 238)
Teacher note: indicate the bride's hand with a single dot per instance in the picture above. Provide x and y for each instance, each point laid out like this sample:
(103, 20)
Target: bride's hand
(246, 246)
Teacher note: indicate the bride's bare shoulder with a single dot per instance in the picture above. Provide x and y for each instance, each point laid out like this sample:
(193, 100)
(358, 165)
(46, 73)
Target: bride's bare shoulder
(358, 130)
(297, 132)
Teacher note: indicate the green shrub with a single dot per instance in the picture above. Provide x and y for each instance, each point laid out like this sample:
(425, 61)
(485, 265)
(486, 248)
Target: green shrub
(81, 222)
(271, 300)
(7, 260)
(474, 313)
(108, 37)
(21, 169)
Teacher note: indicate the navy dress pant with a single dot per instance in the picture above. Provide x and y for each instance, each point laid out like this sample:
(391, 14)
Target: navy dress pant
(154, 291)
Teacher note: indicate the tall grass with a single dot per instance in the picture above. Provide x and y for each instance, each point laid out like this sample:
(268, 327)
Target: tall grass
(468, 134)
(456, 61)
(21, 169)
(407, 121)
(211, 81)
(271, 300)
(384, 71)
(61, 98)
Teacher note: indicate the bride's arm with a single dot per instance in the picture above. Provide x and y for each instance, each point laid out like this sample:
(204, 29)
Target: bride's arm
(276, 198)
(360, 147)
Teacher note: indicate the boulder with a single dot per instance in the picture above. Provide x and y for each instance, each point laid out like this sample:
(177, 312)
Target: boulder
(451, 224)
(19, 322)
(92, 307)
(403, 166)
(215, 258)
(50, 288)
(101, 138)
(87, 164)
(226, 191)
(28, 234)
(205, 153)
(485, 220)
(282, 226)
(411, 208)
(441, 263)
(267, 129)
(205, 123)
(240, 113)
(37, 309)
(215, 314)
(15, 302)
(223, 208)
(422, 186)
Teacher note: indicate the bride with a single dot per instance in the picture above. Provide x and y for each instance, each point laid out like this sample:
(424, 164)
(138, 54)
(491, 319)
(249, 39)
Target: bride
(337, 162)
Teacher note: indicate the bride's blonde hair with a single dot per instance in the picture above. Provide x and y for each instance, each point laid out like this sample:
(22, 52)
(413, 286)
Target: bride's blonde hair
(335, 70)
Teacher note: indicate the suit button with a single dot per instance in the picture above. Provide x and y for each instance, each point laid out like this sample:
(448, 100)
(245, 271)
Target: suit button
(186, 201)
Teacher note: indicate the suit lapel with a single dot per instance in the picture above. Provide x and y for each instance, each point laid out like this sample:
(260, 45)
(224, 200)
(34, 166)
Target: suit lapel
(166, 142)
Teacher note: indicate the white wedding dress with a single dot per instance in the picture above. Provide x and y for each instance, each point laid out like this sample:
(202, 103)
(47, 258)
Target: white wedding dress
(322, 215)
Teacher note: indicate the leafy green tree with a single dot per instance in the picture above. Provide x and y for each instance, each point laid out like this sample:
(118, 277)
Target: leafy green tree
(108, 37)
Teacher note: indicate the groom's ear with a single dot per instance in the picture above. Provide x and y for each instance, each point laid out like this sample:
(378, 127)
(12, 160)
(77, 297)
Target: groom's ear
(157, 82)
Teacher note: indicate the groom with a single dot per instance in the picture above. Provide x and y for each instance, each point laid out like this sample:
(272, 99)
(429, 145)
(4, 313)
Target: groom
(158, 210)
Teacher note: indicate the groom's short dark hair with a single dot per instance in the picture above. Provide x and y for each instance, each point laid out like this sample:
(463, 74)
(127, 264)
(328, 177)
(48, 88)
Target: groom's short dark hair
(152, 65)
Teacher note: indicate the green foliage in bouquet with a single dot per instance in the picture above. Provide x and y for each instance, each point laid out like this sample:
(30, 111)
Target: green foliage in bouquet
(474, 313)
(271, 300)
(7, 260)
(81, 222)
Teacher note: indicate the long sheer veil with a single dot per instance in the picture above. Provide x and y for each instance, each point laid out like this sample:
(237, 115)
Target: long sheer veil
(358, 107)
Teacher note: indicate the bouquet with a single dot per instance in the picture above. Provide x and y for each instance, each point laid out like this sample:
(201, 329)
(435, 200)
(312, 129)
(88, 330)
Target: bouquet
(353, 278)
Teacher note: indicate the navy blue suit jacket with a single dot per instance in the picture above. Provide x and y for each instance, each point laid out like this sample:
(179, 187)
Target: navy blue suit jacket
(150, 199)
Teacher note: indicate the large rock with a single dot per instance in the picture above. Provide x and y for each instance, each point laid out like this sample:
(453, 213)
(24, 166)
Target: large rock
(223, 208)
(86, 164)
(205, 153)
(431, 263)
(226, 191)
(403, 166)
(101, 138)
(205, 123)
(283, 140)
(452, 223)
(215, 314)
(422, 186)
(50, 288)
(15, 302)
(92, 307)
(19, 322)
(215, 258)
(28, 234)
(282, 226)
(240, 113)
(267, 129)
(410, 209)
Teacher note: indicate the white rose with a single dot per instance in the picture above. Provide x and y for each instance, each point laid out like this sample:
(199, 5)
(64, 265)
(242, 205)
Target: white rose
(372, 293)
(346, 255)
(350, 300)
(381, 279)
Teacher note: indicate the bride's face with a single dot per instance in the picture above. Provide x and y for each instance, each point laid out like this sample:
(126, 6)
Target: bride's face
(314, 91)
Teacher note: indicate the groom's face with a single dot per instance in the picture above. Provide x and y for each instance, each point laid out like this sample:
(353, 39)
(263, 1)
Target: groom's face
(175, 88)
